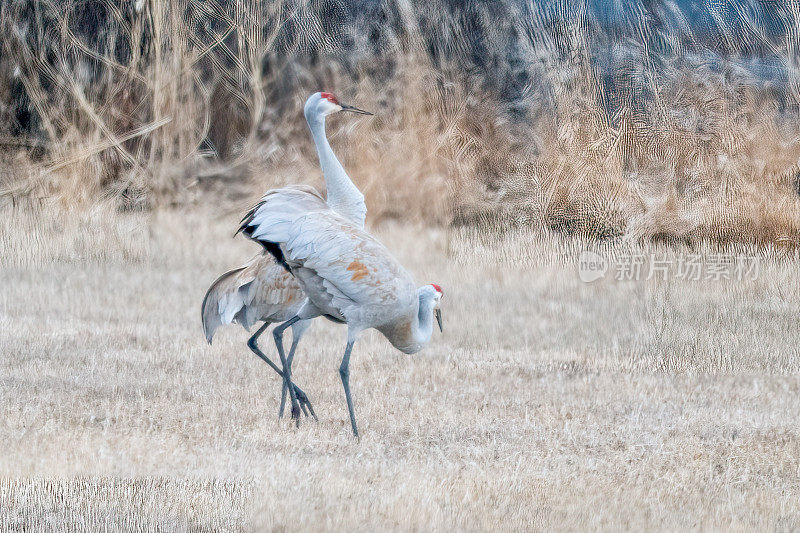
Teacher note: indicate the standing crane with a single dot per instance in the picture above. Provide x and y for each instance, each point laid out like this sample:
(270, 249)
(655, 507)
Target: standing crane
(346, 274)
(264, 291)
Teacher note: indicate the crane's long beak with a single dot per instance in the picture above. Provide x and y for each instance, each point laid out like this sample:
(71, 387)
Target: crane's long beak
(352, 109)
(438, 314)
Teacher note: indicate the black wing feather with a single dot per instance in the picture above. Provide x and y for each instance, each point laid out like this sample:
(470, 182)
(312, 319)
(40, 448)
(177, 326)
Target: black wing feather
(246, 228)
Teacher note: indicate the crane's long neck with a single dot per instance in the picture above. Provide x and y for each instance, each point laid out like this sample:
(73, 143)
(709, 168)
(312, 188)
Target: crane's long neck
(343, 195)
(410, 332)
(422, 326)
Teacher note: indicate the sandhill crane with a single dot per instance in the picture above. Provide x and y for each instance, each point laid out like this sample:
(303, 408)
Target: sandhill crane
(263, 291)
(347, 275)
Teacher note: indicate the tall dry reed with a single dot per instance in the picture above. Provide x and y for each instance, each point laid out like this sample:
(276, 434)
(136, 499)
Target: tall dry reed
(490, 114)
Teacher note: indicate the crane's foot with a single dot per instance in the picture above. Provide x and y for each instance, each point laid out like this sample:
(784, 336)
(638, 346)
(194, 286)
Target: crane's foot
(305, 403)
(296, 413)
(295, 410)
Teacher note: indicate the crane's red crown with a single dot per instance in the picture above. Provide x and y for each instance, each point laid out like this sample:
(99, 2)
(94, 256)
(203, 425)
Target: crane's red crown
(438, 288)
(330, 97)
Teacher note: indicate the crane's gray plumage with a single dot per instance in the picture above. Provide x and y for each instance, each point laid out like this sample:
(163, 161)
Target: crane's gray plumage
(264, 290)
(341, 268)
(345, 273)
(259, 290)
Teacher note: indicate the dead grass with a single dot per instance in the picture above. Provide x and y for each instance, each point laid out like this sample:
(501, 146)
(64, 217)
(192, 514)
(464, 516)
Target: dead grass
(484, 114)
(546, 403)
(35, 234)
(148, 504)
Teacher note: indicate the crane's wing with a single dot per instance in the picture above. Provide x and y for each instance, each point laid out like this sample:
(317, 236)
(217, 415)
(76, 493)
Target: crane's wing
(260, 290)
(290, 202)
(345, 266)
(214, 310)
(271, 292)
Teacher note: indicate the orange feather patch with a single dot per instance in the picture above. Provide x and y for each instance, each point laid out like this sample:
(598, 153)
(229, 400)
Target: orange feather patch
(358, 269)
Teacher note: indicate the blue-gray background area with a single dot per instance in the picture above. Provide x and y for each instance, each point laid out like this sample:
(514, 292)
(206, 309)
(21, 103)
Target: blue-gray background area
(751, 33)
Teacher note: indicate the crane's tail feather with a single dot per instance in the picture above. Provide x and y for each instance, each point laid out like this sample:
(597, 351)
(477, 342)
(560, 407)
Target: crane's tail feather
(222, 303)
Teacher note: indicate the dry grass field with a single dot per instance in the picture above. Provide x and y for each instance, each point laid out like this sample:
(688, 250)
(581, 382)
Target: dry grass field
(547, 402)
(510, 138)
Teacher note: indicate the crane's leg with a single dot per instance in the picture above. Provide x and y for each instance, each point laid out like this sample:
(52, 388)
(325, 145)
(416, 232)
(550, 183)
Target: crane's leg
(277, 333)
(298, 329)
(344, 372)
(252, 343)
